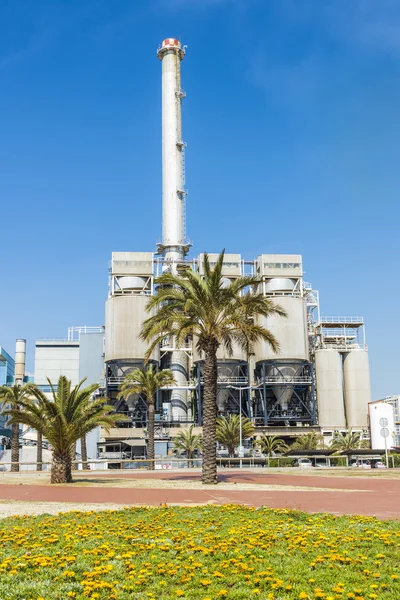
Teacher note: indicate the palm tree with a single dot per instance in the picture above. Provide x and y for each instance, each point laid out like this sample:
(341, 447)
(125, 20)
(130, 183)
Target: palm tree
(350, 441)
(308, 441)
(215, 314)
(188, 443)
(228, 431)
(69, 415)
(270, 444)
(147, 382)
(12, 396)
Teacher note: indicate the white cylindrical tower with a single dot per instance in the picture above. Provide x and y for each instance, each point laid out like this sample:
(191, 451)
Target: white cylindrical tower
(173, 247)
(173, 193)
(357, 388)
(329, 374)
(20, 354)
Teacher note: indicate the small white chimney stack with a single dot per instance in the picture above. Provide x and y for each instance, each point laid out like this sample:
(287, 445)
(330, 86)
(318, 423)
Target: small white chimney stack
(20, 357)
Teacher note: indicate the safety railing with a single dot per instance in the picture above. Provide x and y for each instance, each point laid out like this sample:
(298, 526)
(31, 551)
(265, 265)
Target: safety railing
(354, 320)
(120, 380)
(228, 379)
(74, 332)
(342, 345)
(287, 379)
(177, 463)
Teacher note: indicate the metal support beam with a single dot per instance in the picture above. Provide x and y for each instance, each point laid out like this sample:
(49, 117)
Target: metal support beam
(264, 400)
(199, 403)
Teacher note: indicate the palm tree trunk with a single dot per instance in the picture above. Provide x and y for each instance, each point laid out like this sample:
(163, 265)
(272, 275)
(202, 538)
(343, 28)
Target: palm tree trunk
(61, 468)
(15, 447)
(39, 451)
(85, 466)
(209, 471)
(190, 460)
(73, 464)
(150, 431)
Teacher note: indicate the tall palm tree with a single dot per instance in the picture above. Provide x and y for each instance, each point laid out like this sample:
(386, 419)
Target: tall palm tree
(350, 441)
(308, 441)
(11, 396)
(65, 418)
(147, 382)
(270, 444)
(228, 431)
(187, 442)
(216, 314)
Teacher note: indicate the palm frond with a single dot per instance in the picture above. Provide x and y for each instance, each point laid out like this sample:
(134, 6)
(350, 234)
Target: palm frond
(146, 382)
(70, 414)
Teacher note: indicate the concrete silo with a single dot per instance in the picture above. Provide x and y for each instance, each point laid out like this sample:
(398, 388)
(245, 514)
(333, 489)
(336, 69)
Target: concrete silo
(131, 284)
(342, 374)
(330, 384)
(357, 389)
(284, 380)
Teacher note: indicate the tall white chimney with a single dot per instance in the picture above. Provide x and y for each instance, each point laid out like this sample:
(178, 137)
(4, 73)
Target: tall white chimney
(173, 192)
(20, 356)
(173, 246)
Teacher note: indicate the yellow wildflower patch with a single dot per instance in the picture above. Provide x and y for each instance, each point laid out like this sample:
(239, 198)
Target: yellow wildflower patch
(199, 553)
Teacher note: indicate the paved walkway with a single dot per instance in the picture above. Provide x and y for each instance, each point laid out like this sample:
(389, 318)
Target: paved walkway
(366, 496)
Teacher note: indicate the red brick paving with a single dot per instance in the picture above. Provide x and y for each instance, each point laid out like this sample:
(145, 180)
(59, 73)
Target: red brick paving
(378, 497)
(242, 476)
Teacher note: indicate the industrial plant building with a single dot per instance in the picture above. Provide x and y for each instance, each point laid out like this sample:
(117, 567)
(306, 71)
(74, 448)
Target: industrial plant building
(318, 381)
(320, 378)
(79, 356)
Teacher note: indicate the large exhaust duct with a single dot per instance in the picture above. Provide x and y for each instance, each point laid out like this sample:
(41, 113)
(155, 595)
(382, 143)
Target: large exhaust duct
(20, 356)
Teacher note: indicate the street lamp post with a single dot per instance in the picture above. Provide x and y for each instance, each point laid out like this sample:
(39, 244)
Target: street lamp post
(234, 387)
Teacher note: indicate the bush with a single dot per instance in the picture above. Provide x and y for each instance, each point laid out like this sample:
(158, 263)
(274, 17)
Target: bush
(394, 460)
(282, 461)
(338, 461)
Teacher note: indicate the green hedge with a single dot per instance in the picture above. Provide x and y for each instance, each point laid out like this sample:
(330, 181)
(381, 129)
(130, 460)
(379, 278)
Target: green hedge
(283, 461)
(338, 461)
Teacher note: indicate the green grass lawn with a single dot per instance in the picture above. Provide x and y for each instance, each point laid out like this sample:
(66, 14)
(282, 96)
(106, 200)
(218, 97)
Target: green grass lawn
(203, 552)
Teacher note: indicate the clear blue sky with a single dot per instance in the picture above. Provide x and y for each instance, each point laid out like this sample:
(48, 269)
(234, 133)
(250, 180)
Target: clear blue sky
(293, 128)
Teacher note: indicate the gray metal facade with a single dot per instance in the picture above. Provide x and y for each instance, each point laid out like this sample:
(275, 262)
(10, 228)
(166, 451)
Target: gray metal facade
(91, 358)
